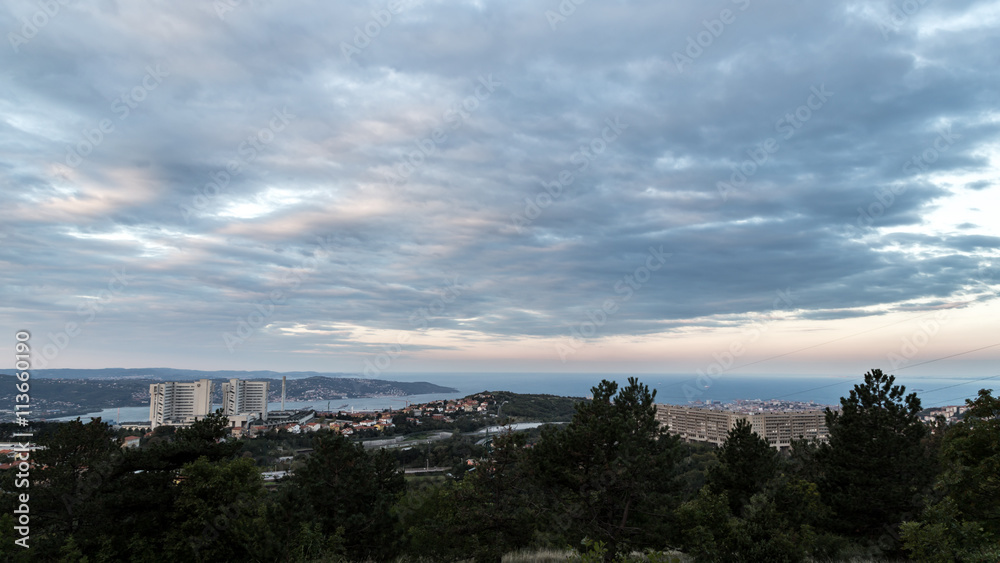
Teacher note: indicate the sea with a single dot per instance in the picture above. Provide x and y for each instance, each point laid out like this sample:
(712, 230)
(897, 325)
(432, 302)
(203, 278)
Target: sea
(673, 388)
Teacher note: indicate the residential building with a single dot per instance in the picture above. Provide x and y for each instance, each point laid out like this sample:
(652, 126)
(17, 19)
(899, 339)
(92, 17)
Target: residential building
(245, 398)
(951, 414)
(179, 402)
(780, 429)
(694, 424)
(270, 476)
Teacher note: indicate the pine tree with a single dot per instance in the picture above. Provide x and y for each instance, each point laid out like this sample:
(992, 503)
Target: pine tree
(610, 473)
(972, 454)
(746, 464)
(875, 467)
(343, 487)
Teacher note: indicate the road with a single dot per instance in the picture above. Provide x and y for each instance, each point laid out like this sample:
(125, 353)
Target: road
(402, 442)
(419, 470)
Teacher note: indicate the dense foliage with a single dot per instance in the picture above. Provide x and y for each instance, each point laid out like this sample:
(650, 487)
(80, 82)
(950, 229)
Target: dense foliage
(544, 408)
(608, 476)
(610, 484)
(875, 465)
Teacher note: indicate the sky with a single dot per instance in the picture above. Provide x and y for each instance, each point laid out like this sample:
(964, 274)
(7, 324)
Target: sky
(511, 186)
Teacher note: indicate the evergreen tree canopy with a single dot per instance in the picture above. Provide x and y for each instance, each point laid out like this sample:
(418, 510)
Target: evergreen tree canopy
(343, 487)
(610, 472)
(487, 514)
(875, 467)
(746, 464)
(971, 454)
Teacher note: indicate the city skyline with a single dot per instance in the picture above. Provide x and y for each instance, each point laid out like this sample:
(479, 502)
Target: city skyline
(421, 187)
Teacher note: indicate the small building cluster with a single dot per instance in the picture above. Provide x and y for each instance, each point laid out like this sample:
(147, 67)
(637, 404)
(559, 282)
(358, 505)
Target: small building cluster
(951, 414)
(349, 423)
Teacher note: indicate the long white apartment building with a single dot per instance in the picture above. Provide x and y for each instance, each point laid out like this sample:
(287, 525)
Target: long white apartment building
(694, 424)
(179, 403)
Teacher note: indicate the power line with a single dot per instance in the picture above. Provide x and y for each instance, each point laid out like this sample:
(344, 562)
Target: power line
(816, 346)
(946, 357)
(914, 365)
(818, 388)
(946, 401)
(857, 378)
(832, 341)
(958, 384)
(922, 363)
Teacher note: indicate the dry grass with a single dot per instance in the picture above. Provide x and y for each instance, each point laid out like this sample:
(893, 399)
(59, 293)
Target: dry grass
(559, 556)
(554, 555)
(538, 556)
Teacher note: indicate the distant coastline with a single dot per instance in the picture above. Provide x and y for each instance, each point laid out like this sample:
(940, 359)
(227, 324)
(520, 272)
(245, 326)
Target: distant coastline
(68, 397)
(172, 374)
(74, 394)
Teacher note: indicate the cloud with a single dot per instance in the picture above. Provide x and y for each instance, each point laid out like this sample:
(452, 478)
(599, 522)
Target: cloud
(409, 162)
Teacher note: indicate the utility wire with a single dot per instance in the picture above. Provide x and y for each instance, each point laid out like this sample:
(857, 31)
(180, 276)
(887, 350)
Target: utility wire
(921, 363)
(831, 341)
(816, 346)
(963, 383)
(946, 357)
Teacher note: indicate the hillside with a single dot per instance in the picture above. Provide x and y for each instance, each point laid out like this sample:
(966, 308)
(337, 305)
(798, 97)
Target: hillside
(535, 407)
(68, 396)
(171, 374)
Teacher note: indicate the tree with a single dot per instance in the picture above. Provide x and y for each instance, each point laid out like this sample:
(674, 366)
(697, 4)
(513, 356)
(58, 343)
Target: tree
(609, 474)
(705, 526)
(971, 451)
(344, 489)
(484, 516)
(749, 510)
(496, 501)
(746, 464)
(215, 511)
(942, 535)
(116, 504)
(963, 523)
(209, 429)
(875, 467)
(78, 459)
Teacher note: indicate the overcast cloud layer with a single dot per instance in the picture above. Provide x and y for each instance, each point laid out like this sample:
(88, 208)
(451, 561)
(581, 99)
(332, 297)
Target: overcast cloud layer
(304, 185)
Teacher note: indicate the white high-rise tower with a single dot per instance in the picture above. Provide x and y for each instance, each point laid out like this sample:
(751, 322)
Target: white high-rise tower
(245, 397)
(179, 402)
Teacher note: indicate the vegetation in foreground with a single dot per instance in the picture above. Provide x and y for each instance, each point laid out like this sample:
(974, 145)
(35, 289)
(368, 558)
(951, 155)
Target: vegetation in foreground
(611, 485)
